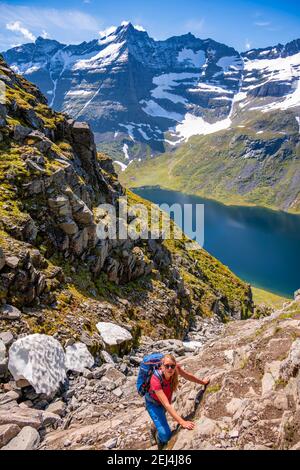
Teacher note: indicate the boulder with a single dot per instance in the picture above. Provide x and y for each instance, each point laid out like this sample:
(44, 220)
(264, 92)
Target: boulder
(116, 338)
(7, 338)
(68, 226)
(2, 259)
(40, 360)
(111, 443)
(106, 357)
(50, 419)
(57, 408)
(12, 262)
(270, 377)
(78, 357)
(8, 432)
(21, 417)
(27, 439)
(2, 350)
(21, 132)
(9, 397)
(8, 312)
(291, 365)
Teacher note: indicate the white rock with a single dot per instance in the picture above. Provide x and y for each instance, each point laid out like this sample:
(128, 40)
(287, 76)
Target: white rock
(292, 362)
(112, 334)
(40, 360)
(234, 405)
(107, 357)
(191, 346)
(234, 434)
(268, 383)
(111, 443)
(78, 357)
(27, 439)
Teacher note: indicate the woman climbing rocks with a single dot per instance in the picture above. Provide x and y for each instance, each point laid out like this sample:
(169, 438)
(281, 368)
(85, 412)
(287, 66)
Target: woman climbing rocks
(163, 382)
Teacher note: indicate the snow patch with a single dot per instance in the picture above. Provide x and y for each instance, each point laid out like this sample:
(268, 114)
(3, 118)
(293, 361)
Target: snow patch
(105, 57)
(107, 32)
(79, 93)
(194, 125)
(138, 27)
(153, 109)
(166, 83)
(298, 120)
(122, 165)
(143, 133)
(232, 62)
(125, 150)
(130, 129)
(207, 88)
(291, 101)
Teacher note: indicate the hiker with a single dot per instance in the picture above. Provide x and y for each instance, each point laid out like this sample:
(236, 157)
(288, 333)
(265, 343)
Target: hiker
(158, 397)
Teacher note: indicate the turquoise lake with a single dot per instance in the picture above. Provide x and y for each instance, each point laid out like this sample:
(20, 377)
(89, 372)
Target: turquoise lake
(261, 246)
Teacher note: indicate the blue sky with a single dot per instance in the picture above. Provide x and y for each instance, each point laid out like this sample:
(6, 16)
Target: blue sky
(242, 24)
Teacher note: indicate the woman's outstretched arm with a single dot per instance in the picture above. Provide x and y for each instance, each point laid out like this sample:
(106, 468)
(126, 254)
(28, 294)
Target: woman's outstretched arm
(191, 377)
(165, 402)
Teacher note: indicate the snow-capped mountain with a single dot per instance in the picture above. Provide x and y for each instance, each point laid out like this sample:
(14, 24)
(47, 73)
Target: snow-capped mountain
(135, 90)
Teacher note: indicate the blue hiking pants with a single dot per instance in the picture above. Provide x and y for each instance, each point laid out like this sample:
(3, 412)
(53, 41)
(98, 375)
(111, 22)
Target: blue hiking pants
(158, 415)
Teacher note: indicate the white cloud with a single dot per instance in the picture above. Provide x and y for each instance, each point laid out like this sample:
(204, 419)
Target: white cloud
(45, 35)
(248, 45)
(139, 27)
(194, 26)
(17, 27)
(65, 25)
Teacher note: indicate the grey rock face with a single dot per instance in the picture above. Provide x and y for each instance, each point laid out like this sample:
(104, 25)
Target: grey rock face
(8, 312)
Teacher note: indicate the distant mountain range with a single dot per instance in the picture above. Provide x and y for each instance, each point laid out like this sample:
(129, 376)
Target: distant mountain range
(146, 96)
(227, 123)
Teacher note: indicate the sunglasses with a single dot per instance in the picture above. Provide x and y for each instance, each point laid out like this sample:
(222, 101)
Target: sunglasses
(169, 366)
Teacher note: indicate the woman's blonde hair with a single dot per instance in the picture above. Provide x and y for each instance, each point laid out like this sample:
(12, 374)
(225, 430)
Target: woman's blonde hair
(174, 378)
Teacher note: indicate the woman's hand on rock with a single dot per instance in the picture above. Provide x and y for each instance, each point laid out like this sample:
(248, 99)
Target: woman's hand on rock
(187, 425)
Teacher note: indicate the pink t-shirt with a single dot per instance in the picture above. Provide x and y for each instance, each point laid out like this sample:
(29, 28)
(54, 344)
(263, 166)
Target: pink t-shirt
(155, 384)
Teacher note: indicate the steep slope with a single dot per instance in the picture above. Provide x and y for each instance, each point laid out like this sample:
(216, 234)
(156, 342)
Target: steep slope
(53, 265)
(252, 402)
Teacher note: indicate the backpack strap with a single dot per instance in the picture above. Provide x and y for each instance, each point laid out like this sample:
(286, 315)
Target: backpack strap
(158, 374)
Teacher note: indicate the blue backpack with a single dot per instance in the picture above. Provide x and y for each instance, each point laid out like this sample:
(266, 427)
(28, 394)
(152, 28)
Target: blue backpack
(149, 365)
